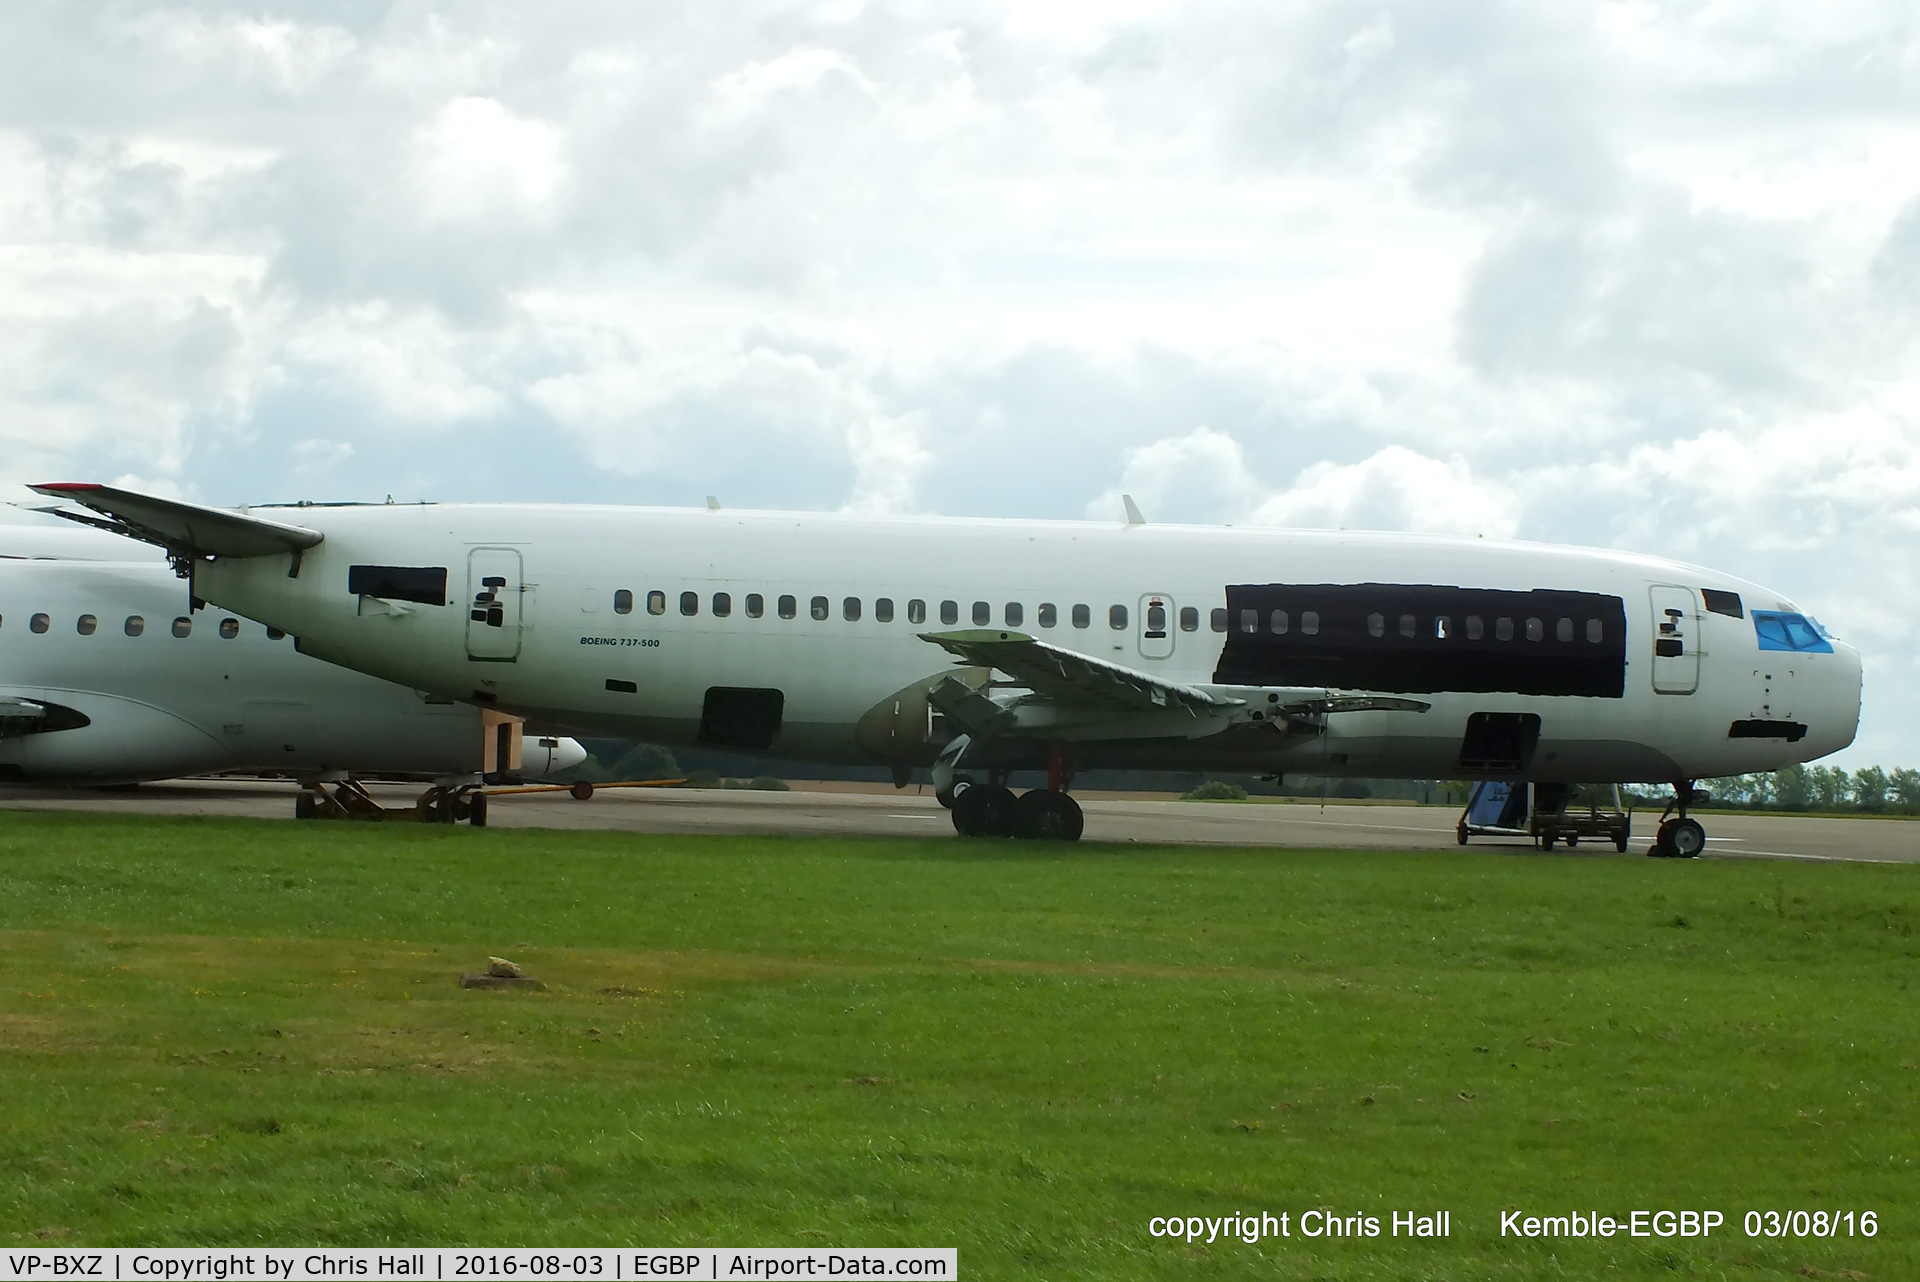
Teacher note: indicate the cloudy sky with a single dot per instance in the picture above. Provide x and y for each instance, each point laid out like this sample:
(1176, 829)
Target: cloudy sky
(1629, 274)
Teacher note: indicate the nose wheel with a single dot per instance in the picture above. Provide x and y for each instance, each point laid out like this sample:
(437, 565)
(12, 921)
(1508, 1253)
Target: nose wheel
(1678, 836)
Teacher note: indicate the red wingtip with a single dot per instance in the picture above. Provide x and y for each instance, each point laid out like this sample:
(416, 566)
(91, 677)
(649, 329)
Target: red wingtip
(68, 487)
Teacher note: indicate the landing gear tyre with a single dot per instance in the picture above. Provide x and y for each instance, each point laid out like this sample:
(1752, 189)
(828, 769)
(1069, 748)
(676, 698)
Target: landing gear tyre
(582, 790)
(1621, 838)
(304, 806)
(1686, 839)
(445, 809)
(946, 798)
(1573, 839)
(983, 810)
(1044, 815)
(1662, 847)
(1460, 834)
(477, 810)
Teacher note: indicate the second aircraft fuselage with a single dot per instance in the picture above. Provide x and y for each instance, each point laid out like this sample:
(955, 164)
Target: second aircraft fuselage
(633, 622)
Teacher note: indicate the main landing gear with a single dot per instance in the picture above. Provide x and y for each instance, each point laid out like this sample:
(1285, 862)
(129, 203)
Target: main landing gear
(1679, 837)
(991, 809)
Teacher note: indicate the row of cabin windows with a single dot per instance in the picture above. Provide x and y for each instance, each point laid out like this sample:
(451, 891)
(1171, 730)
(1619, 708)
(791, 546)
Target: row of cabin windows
(853, 608)
(1440, 627)
(1047, 615)
(136, 625)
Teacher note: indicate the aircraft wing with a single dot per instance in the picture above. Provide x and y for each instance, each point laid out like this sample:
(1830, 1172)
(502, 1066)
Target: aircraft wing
(1074, 678)
(184, 529)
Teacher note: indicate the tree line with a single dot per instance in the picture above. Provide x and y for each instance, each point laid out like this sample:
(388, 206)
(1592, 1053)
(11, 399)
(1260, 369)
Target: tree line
(1869, 790)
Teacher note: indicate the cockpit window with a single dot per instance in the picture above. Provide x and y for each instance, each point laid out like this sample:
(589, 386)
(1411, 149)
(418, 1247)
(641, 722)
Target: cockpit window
(1779, 630)
(1719, 602)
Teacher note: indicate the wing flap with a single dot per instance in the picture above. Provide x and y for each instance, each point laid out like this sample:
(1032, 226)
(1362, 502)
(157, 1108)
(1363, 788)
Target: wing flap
(1071, 677)
(185, 529)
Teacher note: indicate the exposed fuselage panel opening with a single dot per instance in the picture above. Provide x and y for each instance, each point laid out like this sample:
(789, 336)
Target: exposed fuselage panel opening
(1499, 743)
(741, 717)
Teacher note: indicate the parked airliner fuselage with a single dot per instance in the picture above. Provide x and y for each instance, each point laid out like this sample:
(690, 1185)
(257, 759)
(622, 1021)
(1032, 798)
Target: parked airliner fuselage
(803, 635)
(107, 675)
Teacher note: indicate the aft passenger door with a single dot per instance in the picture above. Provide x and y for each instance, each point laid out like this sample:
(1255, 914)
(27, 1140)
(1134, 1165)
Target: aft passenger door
(1156, 626)
(1676, 641)
(494, 593)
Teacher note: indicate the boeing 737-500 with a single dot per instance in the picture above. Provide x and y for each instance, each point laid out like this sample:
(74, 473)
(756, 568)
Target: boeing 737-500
(976, 647)
(107, 676)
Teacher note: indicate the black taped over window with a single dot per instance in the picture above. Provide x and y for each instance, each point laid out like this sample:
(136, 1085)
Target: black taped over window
(1352, 647)
(1721, 602)
(422, 583)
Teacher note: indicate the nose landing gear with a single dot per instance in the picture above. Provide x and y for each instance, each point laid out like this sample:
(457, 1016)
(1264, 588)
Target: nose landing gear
(1678, 836)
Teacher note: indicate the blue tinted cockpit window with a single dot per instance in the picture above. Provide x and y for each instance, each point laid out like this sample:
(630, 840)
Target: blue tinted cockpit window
(1778, 630)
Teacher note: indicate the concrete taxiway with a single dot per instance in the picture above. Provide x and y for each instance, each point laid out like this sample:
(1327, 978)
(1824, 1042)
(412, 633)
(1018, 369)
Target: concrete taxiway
(917, 814)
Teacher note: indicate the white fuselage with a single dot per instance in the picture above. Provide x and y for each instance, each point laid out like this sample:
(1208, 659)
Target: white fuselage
(194, 692)
(573, 631)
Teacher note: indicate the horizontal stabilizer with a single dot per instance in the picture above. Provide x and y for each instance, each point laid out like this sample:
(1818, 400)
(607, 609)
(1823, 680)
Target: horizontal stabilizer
(184, 529)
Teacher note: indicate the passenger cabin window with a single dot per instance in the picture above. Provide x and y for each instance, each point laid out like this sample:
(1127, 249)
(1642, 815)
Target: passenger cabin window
(883, 609)
(689, 603)
(1376, 625)
(656, 602)
(1563, 630)
(1189, 619)
(916, 611)
(1503, 629)
(229, 628)
(135, 625)
(788, 607)
(1249, 620)
(722, 605)
(1117, 617)
(1309, 623)
(1156, 620)
(1595, 633)
(982, 613)
(818, 609)
(1442, 627)
(1049, 614)
(39, 623)
(1475, 628)
(1082, 617)
(273, 634)
(183, 626)
(1535, 630)
(1217, 620)
(623, 601)
(756, 605)
(1277, 623)
(86, 624)
(949, 612)
(1407, 625)
(1014, 614)
(850, 609)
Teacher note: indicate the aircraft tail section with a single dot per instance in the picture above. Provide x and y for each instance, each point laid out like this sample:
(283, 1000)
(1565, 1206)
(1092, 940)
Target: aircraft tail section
(186, 530)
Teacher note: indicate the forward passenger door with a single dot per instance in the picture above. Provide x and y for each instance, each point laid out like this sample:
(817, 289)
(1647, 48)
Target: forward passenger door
(1676, 640)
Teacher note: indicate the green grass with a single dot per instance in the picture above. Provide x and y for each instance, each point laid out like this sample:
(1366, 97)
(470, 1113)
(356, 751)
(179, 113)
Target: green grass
(223, 1032)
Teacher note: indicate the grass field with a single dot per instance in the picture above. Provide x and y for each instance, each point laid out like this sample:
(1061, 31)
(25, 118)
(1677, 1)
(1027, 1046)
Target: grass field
(222, 1031)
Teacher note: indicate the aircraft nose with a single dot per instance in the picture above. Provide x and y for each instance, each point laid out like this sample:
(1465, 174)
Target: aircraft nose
(554, 755)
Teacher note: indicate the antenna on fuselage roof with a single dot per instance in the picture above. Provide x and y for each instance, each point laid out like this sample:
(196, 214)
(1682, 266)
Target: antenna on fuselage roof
(713, 504)
(1133, 510)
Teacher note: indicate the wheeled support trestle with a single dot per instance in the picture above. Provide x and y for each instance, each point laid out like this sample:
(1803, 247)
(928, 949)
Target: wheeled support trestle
(446, 802)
